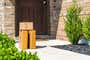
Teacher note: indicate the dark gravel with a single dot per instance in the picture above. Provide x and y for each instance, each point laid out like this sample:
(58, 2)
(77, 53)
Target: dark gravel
(82, 49)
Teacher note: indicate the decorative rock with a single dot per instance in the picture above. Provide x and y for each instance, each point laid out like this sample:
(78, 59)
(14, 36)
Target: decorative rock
(82, 49)
(83, 42)
(89, 43)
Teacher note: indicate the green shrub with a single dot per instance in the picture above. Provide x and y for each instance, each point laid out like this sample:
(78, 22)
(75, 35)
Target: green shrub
(6, 42)
(73, 25)
(86, 27)
(8, 51)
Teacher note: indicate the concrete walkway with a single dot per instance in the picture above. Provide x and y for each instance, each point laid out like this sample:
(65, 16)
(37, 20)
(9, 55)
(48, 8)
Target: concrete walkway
(45, 52)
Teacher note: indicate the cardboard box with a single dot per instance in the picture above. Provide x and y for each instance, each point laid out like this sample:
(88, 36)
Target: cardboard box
(26, 26)
(23, 37)
(32, 39)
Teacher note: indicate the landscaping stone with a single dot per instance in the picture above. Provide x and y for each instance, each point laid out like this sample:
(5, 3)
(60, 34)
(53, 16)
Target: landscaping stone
(83, 42)
(82, 49)
(89, 43)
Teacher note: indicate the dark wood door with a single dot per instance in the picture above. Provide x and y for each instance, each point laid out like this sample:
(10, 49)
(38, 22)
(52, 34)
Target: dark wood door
(32, 11)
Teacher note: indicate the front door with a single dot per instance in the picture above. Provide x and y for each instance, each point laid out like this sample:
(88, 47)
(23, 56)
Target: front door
(32, 11)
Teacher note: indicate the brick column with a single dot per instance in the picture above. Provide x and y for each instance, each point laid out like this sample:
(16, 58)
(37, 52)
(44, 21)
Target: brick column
(10, 17)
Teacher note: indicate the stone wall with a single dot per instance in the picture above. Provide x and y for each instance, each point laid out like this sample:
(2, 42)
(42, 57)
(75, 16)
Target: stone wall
(1, 15)
(9, 20)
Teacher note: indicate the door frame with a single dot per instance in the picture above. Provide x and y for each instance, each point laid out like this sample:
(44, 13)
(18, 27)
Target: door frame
(48, 18)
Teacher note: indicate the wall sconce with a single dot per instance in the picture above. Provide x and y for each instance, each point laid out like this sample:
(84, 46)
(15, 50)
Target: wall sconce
(54, 0)
(45, 2)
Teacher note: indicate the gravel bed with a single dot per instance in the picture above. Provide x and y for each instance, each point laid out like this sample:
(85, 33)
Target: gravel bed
(82, 49)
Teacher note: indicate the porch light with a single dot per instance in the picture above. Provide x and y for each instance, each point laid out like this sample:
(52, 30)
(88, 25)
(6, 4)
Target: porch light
(44, 2)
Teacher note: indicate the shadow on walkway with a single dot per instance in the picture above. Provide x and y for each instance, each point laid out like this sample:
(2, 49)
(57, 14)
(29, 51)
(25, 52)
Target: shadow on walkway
(38, 47)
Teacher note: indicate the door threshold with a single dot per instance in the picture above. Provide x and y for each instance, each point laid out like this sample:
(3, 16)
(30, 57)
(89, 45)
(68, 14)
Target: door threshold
(42, 36)
(38, 37)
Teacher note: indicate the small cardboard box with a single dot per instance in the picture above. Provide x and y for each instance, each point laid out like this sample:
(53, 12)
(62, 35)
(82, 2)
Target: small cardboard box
(26, 26)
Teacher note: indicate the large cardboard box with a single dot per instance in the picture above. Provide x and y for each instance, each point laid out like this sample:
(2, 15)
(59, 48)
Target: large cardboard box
(23, 37)
(32, 39)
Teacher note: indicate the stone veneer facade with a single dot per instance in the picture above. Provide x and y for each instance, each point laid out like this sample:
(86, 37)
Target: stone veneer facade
(57, 14)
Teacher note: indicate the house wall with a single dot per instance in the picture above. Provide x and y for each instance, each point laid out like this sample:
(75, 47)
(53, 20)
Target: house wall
(57, 14)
